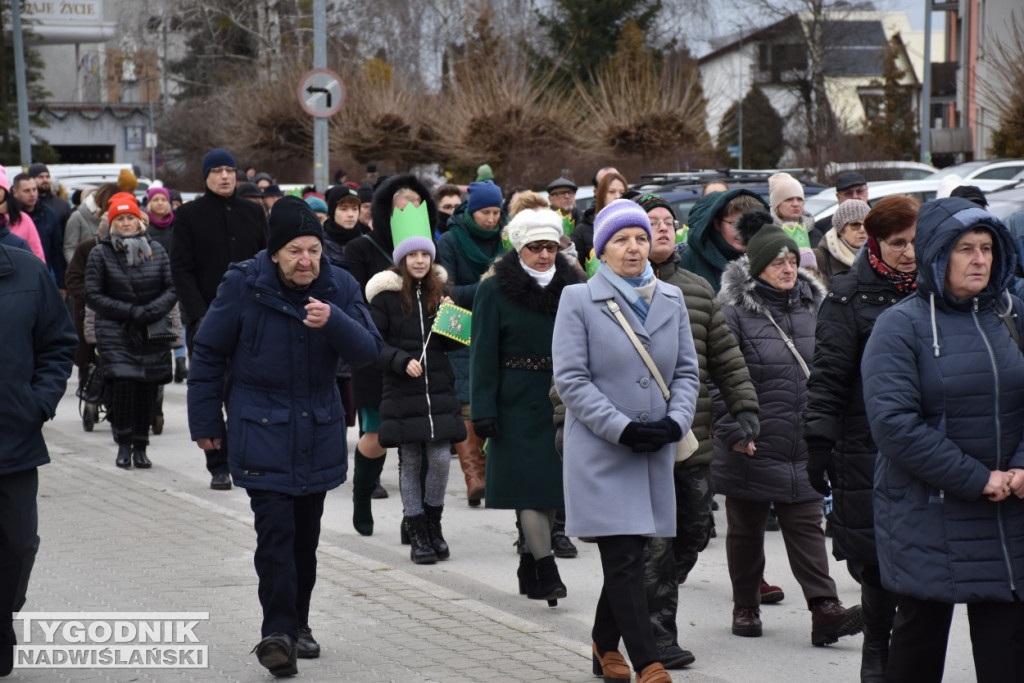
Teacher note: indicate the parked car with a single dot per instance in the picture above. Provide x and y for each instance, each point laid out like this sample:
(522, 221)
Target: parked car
(984, 169)
(1004, 203)
(881, 170)
(824, 204)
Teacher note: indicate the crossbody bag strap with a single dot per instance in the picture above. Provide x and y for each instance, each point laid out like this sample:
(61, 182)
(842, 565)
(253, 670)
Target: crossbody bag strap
(617, 312)
(790, 345)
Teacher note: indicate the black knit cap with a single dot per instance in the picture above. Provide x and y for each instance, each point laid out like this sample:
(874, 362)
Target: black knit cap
(649, 202)
(766, 245)
(291, 217)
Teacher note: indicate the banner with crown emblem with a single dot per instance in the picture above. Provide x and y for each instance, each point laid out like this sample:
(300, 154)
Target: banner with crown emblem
(454, 322)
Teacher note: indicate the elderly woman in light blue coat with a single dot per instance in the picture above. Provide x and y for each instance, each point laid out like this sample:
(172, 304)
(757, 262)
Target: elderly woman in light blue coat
(620, 432)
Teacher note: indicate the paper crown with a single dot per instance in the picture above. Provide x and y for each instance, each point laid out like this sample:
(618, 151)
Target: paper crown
(412, 221)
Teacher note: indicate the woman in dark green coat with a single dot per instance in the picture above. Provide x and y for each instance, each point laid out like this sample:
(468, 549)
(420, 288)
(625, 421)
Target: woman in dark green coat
(510, 375)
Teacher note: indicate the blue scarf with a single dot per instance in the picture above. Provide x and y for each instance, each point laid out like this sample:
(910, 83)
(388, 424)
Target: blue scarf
(626, 286)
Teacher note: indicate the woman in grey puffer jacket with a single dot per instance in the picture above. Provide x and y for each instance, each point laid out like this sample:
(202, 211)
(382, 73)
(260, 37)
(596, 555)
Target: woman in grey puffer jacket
(770, 306)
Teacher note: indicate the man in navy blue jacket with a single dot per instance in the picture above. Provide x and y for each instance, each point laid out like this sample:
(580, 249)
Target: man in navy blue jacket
(267, 350)
(38, 342)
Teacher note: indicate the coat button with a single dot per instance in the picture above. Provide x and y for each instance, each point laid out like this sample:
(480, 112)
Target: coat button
(257, 295)
(264, 420)
(305, 414)
(644, 418)
(644, 382)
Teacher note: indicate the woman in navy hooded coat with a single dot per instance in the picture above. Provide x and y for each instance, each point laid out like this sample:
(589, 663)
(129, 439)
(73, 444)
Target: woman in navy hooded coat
(944, 387)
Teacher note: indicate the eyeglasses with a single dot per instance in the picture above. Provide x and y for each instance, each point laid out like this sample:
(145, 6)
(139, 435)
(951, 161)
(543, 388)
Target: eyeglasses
(537, 247)
(668, 223)
(561, 193)
(899, 246)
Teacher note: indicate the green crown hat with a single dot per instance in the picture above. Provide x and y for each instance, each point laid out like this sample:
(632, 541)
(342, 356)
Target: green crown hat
(410, 231)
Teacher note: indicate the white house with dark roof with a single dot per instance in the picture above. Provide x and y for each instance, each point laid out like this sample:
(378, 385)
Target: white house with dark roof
(774, 58)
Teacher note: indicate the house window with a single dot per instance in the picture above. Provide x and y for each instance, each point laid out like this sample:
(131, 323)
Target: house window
(775, 60)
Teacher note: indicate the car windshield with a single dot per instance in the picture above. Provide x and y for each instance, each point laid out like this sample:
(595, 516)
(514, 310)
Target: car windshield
(958, 169)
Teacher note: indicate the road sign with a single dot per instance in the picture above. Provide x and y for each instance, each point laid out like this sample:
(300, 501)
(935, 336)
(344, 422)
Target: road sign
(734, 151)
(321, 92)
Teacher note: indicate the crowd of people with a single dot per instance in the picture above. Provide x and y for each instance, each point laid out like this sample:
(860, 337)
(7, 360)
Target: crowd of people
(573, 363)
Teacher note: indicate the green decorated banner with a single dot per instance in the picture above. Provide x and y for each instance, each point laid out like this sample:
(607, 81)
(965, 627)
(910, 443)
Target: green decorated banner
(454, 322)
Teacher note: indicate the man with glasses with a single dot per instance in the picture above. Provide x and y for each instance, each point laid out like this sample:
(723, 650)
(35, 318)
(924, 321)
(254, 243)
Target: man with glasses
(210, 233)
(562, 197)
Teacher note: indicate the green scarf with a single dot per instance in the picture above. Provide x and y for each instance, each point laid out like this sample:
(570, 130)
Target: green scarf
(468, 236)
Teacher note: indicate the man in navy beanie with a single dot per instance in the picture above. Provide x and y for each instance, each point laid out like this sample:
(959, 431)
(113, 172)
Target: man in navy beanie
(210, 233)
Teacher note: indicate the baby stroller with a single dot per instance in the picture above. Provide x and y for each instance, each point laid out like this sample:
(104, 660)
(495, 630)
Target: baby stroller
(92, 395)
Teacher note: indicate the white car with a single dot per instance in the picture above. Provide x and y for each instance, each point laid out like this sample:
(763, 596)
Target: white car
(823, 204)
(985, 169)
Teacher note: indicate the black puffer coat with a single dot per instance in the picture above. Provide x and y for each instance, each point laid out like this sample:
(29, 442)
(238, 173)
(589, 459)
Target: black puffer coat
(718, 355)
(413, 409)
(835, 416)
(371, 254)
(778, 470)
(125, 300)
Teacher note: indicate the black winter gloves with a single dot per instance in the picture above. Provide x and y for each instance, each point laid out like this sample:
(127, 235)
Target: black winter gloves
(819, 457)
(750, 424)
(651, 436)
(486, 427)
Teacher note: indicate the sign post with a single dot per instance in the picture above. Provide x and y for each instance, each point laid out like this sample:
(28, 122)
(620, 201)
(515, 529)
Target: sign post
(321, 94)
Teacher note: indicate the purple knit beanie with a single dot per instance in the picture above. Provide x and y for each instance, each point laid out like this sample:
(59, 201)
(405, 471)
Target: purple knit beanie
(621, 213)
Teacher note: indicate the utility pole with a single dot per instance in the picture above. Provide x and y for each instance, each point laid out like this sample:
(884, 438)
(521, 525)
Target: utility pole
(24, 132)
(925, 103)
(321, 145)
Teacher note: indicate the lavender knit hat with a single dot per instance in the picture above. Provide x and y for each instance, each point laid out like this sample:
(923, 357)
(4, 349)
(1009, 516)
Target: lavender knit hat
(620, 214)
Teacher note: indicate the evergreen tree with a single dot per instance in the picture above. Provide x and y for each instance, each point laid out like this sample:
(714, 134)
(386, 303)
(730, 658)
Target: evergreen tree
(582, 34)
(894, 130)
(10, 148)
(763, 140)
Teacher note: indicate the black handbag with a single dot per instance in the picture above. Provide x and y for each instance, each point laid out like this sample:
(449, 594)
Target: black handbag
(161, 332)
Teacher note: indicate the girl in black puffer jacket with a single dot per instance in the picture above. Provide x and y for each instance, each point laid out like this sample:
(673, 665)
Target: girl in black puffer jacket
(128, 285)
(419, 409)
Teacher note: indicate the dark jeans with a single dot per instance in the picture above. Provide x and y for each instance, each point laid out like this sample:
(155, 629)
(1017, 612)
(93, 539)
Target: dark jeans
(694, 491)
(19, 542)
(287, 535)
(917, 651)
(622, 606)
(800, 524)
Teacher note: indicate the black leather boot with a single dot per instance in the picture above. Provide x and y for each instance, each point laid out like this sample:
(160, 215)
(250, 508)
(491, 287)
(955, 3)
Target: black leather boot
(879, 609)
(549, 583)
(420, 552)
(364, 481)
(139, 456)
(124, 456)
(437, 541)
(560, 543)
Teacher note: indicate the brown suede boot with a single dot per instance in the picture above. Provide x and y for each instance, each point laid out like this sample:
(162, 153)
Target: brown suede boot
(473, 465)
(830, 621)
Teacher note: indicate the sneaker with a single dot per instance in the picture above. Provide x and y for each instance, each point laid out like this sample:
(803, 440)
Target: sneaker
(830, 621)
(746, 622)
(770, 594)
(307, 646)
(277, 653)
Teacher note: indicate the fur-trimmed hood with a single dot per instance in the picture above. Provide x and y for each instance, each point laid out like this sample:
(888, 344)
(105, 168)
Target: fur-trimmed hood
(391, 281)
(380, 209)
(739, 288)
(520, 287)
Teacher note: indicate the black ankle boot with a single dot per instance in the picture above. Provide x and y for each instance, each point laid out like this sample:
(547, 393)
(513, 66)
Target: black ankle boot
(879, 609)
(139, 456)
(364, 481)
(421, 552)
(437, 541)
(560, 543)
(527, 574)
(549, 583)
(124, 455)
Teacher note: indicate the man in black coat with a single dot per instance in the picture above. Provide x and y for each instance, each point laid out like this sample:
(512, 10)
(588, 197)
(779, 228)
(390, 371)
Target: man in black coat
(38, 342)
(25, 191)
(211, 233)
(44, 184)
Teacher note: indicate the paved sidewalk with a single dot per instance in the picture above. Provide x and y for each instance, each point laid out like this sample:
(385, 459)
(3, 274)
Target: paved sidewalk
(116, 543)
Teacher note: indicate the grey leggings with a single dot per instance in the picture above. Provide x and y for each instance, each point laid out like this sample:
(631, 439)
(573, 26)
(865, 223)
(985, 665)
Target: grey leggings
(410, 459)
